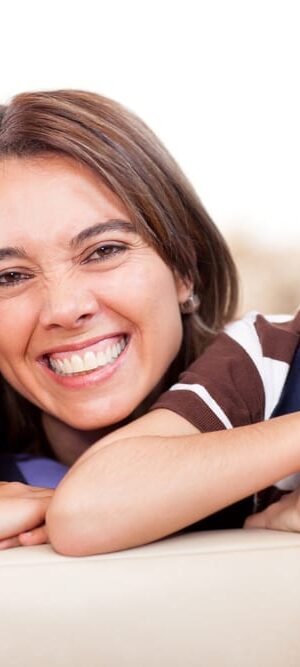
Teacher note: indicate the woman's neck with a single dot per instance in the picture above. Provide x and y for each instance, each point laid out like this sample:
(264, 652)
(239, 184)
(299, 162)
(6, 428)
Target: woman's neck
(67, 443)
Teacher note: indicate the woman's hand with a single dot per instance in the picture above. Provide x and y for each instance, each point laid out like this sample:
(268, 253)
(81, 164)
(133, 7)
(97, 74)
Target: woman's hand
(22, 514)
(282, 515)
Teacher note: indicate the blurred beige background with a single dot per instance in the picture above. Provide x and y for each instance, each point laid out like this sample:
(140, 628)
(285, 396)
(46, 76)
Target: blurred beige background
(218, 81)
(269, 277)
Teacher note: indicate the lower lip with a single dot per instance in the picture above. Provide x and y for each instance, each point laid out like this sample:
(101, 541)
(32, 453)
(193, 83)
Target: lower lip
(89, 379)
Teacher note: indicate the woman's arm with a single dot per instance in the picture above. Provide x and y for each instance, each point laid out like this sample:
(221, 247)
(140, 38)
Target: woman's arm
(130, 491)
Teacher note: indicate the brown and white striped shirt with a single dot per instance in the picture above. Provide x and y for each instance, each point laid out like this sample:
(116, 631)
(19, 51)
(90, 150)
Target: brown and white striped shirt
(238, 379)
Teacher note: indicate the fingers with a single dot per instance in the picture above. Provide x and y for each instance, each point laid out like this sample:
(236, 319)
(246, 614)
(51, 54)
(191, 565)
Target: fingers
(22, 514)
(27, 539)
(258, 520)
(34, 537)
(9, 543)
(19, 515)
(16, 489)
(282, 515)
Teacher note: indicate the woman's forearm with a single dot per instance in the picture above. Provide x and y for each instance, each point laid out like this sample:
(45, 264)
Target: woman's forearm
(139, 489)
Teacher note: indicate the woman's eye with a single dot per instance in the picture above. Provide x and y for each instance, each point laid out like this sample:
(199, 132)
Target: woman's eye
(106, 252)
(12, 278)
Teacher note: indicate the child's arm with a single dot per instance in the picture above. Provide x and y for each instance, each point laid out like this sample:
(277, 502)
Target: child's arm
(130, 491)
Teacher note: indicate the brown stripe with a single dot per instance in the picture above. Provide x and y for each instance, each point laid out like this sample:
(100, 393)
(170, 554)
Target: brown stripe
(278, 340)
(231, 378)
(188, 405)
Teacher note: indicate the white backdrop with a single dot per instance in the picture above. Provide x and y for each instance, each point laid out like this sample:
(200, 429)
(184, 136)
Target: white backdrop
(217, 80)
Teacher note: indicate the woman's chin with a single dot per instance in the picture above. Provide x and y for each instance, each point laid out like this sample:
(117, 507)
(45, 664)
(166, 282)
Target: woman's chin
(83, 422)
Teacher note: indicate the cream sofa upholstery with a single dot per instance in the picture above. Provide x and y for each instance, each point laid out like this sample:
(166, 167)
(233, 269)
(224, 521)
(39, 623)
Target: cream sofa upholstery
(215, 599)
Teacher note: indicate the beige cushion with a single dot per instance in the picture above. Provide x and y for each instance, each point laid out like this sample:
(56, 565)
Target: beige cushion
(219, 599)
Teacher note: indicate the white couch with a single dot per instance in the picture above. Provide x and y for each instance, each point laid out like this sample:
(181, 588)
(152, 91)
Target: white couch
(214, 599)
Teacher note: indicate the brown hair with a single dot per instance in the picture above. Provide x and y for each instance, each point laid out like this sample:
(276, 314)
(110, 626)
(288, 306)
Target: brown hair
(133, 163)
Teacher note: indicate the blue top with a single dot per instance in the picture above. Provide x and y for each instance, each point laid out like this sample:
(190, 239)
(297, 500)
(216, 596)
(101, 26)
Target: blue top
(40, 471)
(33, 470)
(290, 398)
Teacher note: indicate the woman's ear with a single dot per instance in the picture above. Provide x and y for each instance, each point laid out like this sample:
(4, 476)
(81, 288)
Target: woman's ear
(188, 301)
(184, 288)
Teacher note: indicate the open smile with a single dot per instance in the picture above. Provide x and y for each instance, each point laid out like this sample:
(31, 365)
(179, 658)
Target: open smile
(86, 359)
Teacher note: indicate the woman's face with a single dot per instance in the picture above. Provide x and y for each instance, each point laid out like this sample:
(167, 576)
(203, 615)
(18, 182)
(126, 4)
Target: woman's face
(89, 312)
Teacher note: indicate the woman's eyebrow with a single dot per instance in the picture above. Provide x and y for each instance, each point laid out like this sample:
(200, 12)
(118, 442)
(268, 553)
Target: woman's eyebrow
(114, 225)
(14, 252)
(17, 252)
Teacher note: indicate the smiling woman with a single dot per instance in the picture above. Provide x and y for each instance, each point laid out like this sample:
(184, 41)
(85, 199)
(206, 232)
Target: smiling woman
(72, 291)
(113, 282)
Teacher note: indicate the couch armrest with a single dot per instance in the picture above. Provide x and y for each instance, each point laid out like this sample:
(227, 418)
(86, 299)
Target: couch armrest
(217, 599)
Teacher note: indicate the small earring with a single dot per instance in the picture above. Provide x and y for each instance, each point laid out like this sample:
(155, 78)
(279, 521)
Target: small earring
(190, 305)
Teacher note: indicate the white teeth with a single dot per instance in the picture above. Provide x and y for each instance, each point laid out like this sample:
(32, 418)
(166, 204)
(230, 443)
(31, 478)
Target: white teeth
(115, 352)
(101, 359)
(89, 361)
(77, 363)
(67, 368)
(60, 364)
(109, 356)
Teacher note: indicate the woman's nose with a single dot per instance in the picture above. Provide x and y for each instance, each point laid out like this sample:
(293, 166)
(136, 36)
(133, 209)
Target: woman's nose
(67, 307)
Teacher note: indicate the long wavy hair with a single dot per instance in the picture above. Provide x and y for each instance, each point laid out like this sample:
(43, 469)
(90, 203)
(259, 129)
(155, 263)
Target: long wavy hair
(129, 158)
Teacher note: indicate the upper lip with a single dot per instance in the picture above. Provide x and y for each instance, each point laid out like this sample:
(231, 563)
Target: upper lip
(80, 345)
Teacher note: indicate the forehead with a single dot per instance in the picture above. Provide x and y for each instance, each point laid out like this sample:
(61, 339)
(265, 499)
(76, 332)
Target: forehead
(53, 194)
